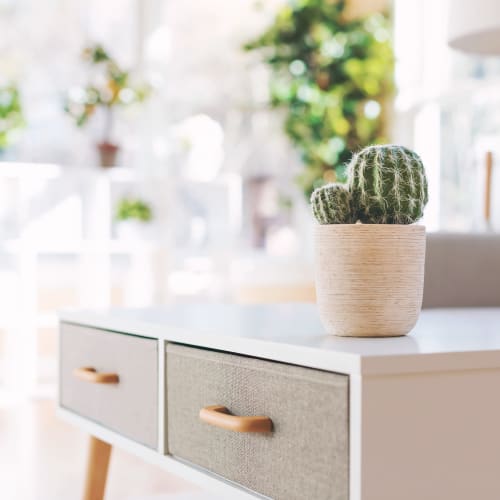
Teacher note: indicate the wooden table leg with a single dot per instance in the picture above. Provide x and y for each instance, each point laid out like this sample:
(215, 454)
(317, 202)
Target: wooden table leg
(97, 469)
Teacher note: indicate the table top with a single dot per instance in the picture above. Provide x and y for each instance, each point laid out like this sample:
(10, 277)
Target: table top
(443, 339)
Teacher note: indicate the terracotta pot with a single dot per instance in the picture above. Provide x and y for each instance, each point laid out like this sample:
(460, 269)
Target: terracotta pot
(369, 278)
(107, 154)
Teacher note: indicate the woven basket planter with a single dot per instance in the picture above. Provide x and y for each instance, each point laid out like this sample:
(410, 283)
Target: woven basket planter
(369, 278)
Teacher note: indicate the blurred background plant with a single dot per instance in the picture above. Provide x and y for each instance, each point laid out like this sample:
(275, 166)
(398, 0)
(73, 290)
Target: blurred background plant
(334, 77)
(133, 209)
(110, 87)
(11, 115)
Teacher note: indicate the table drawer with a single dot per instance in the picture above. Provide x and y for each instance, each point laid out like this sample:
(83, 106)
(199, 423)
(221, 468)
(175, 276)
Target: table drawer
(305, 456)
(130, 404)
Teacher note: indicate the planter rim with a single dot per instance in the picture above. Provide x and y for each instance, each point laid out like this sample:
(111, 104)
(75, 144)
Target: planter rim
(370, 227)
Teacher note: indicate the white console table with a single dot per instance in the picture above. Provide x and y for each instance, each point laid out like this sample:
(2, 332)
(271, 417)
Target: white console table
(411, 418)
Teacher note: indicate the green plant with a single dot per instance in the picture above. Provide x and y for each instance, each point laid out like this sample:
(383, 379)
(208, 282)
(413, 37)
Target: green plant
(133, 209)
(386, 185)
(11, 115)
(111, 88)
(333, 75)
(331, 204)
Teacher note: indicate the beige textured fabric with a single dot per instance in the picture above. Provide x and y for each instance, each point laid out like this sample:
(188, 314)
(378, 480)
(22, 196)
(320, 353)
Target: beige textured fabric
(369, 278)
(462, 270)
(129, 407)
(306, 455)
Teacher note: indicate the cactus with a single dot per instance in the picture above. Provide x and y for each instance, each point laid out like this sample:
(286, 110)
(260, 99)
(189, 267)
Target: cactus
(386, 185)
(332, 204)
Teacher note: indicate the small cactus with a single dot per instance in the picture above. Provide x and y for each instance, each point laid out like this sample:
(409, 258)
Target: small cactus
(332, 204)
(386, 185)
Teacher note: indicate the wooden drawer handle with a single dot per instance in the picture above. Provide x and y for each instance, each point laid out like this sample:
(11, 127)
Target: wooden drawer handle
(89, 374)
(219, 416)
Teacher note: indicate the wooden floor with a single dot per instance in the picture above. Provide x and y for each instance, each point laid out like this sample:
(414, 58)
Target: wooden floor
(43, 458)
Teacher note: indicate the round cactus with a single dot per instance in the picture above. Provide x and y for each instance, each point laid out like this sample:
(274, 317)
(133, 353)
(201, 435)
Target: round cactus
(331, 204)
(388, 185)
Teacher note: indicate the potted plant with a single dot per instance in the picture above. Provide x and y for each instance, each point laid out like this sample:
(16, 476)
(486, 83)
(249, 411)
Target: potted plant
(133, 217)
(109, 89)
(369, 255)
(11, 116)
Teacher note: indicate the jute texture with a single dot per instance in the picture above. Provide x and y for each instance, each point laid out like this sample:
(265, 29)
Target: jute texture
(369, 278)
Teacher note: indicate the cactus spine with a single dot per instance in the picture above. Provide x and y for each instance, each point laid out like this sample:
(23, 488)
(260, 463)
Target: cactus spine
(386, 185)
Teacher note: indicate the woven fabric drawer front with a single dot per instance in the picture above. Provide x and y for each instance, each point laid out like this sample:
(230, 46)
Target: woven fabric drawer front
(306, 455)
(129, 407)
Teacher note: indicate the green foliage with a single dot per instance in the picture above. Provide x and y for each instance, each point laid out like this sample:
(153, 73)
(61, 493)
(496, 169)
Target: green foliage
(386, 185)
(133, 209)
(111, 88)
(11, 115)
(333, 76)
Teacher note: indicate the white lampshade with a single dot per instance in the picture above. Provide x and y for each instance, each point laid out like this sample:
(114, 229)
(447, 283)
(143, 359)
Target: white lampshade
(475, 26)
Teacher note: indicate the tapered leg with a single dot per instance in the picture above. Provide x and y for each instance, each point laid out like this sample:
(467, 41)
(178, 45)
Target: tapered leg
(97, 469)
